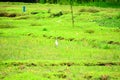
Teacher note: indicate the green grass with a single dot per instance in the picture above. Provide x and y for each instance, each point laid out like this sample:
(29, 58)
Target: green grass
(103, 4)
(88, 51)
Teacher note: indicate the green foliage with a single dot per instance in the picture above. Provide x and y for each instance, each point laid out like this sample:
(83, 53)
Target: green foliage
(103, 4)
(44, 29)
(110, 22)
(98, 3)
(42, 1)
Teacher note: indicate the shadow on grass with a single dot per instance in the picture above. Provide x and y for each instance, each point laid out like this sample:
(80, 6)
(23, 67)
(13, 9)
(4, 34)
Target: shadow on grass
(6, 26)
(5, 14)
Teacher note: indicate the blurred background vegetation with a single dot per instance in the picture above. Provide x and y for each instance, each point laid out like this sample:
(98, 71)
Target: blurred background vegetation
(98, 3)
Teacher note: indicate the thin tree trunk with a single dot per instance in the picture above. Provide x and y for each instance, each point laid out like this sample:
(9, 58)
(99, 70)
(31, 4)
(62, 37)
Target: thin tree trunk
(71, 3)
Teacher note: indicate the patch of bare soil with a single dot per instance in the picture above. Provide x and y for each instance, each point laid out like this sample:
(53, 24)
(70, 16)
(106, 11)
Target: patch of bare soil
(59, 38)
(63, 64)
(91, 10)
(5, 14)
(117, 30)
(103, 64)
(104, 77)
